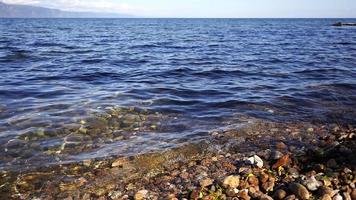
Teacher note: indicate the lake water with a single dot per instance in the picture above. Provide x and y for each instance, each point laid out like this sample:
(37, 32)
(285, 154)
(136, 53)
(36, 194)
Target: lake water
(75, 89)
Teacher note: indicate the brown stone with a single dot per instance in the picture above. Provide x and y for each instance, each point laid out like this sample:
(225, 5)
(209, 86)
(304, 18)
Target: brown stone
(263, 177)
(265, 197)
(267, 183)
(283, 161)
(353, 194)
(231, 181)
(331, 163)
(231, 192)
(243, 194)
(299, 190)
(194, 195)
(281, 145)
(326, 190)
(290, 197)
(229, 166)
(141, 195)
(184, 175)
(253, 180)
(119, 162)
(346, 196)
(325, 197)
(279, 194)
(254, 192)
(206, 182)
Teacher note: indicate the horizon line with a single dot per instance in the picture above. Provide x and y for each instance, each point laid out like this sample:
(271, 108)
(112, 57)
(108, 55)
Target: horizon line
(142, 17)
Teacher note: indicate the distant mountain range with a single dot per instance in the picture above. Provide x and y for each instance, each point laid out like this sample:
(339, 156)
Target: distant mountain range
(24, 11)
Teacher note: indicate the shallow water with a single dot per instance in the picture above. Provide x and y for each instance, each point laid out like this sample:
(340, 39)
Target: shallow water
(62, 79)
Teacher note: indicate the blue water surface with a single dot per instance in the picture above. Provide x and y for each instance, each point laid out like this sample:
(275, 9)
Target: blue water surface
(202, 71)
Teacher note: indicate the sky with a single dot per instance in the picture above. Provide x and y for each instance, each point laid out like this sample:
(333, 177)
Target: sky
(207, 8)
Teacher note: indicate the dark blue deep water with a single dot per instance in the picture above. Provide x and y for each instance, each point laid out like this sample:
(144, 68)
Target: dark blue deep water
(184, 76)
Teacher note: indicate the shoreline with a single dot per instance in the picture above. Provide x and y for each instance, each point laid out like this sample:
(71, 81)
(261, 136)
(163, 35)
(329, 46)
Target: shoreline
(253, 162)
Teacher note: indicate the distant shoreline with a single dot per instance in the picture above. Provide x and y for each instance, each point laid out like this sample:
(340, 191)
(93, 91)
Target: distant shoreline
(133, 17)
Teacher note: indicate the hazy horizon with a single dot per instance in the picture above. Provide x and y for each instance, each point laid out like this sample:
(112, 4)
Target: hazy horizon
(206, 8)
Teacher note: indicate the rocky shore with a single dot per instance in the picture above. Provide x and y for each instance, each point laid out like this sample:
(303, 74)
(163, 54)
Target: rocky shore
(262, 160)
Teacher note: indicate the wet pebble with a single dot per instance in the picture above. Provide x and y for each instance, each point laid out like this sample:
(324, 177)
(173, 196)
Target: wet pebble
(119, 162)
(326, 190)
(279, 194)
(299, 190)
(231, 181)
(184, 175)
(281, 145)
(337, 197)
(266, 154)
(346, 196)
(97, 123)
(232, 192)
(14, 144)
(291, 197)
(331, 163)
(310, 130)
(283, 161)
(141, 195)
(325, 197)
(265, 197)
(275, 155)
(312, 184)
(243, 194)
(353, 194)
(115, 194)
(255, 161)
(254, 192)
(253, 180)
(205, 182)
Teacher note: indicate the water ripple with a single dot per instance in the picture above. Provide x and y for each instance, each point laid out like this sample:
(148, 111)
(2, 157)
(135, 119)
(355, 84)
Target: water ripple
(170, 80)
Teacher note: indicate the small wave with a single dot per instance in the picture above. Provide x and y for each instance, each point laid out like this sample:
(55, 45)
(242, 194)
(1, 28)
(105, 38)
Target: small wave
(177, 72)
(324, 73)
(175, 102)
(31, 93)
(335, 86)
(144, 46)
(92, 61)
(320, 71)
(47, 44)
(345, 43)
(222, 73)
(16, 56)
(228, 104)
(96, 76)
